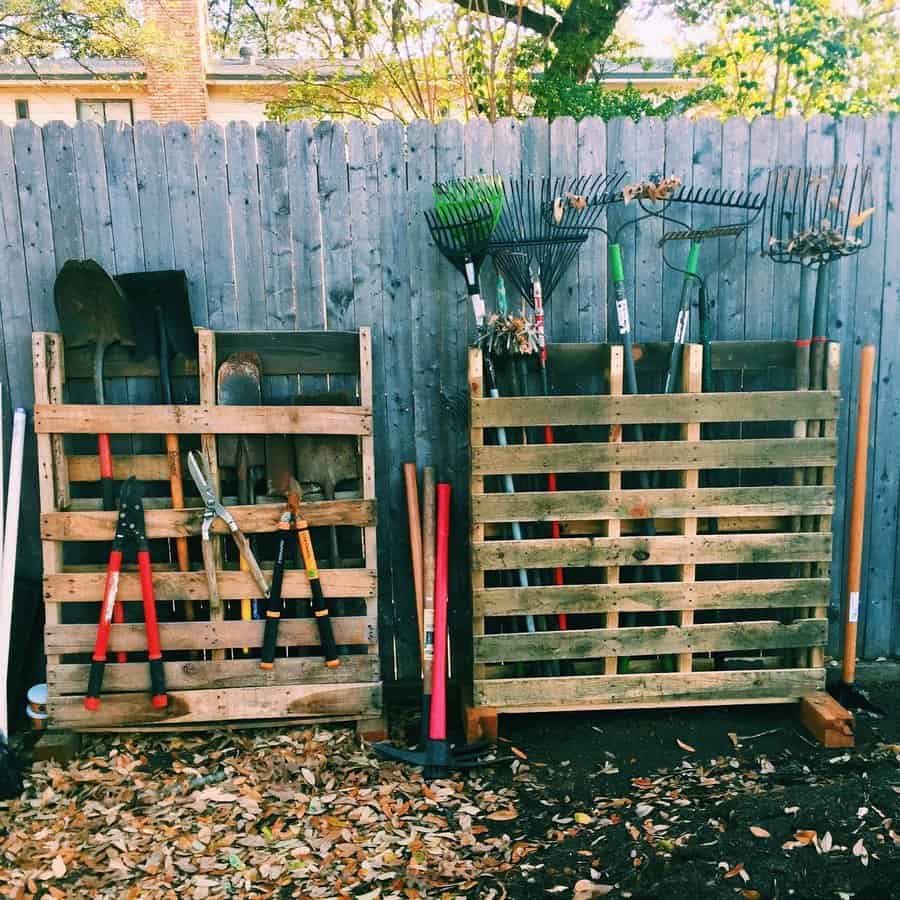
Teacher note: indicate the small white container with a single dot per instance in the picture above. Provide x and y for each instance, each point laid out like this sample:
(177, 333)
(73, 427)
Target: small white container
(37, 700)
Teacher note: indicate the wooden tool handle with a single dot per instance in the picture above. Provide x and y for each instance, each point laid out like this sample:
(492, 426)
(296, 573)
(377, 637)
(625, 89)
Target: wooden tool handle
(176, 489)
(857, 513)
(415, 548)
(209, 566)
(428, 531)
(246, 552)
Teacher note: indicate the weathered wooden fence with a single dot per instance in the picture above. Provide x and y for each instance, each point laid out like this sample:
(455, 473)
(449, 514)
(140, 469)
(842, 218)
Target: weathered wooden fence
(306, 227)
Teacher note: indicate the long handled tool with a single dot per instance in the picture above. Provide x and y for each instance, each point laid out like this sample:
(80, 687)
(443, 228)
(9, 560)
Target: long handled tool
(161, 314)
(429, 525)
(411, 481)
(239, 383)
(10, 766)
(438, 757)
(541, 229)
(93, 310)
(292, 522)
(130, 532)
(327, 459)
(846, 691)
(214, 509)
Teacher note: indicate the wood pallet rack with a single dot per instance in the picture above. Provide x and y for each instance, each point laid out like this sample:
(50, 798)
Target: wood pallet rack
(209, 678)
(744, 567)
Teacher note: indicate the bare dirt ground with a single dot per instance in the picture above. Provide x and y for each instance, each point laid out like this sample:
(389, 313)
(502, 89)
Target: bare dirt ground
(731, 803)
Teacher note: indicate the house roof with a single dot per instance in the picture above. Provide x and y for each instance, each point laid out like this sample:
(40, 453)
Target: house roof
(87, 69)
(221, 71)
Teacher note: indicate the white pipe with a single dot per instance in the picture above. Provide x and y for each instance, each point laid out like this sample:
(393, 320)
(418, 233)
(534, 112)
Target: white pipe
(8, 565)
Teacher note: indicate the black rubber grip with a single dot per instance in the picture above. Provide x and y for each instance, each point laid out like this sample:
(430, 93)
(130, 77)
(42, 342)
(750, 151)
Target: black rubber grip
(95, 684)
(323, 620)
(274, 606)
(108, 487)
(270, 639)
(158, 683)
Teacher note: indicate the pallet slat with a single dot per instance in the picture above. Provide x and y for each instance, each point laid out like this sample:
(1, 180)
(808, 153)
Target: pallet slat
(71, 678)
(668, 550)
(565, 506)
(597, 642)
(227, 704)
(659, 689)
(73, 418)
(651, 597)
(75, 587)
(163, 523)
(776, 453)
(348, 630)
(760, 406)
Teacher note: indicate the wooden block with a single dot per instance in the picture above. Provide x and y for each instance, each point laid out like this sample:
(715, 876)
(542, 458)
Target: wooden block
(480, 723)
(827, 721)
(372, 730)
(61, 746)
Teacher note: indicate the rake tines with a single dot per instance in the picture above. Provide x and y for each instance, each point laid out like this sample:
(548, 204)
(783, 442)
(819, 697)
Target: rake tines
(817, 213)
(719, 197)
(543, 224)
(462, 234)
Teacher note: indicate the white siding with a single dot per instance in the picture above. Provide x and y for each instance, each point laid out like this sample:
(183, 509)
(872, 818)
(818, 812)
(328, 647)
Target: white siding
(49, 102)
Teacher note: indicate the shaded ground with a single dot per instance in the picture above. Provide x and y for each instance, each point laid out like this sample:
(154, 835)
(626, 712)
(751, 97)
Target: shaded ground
(609, 803)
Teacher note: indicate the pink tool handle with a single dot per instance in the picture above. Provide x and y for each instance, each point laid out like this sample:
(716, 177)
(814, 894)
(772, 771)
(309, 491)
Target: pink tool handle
(437, 722)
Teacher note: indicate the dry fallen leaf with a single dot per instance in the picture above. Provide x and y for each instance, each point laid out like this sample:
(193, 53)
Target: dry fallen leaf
(750, 894)
(58, 866)
(759, 832)
(517, 752)
(856, 221)
(732, 736)
(735, 870)
(503, 815)
(686, 747)
(583, 818)
(585, 889)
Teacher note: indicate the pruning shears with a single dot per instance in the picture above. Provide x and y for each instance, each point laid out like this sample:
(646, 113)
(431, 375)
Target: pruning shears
(214, 509)
(130, 532)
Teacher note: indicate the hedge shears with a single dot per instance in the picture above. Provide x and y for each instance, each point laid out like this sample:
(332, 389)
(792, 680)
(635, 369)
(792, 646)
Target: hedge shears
(214, 509)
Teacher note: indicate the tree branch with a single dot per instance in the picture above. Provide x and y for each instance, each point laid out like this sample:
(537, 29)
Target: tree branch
(542, 22)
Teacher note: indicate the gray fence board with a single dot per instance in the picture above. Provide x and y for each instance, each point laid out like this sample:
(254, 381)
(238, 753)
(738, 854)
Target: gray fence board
(153, 196)
(287, 227)
(62, 186)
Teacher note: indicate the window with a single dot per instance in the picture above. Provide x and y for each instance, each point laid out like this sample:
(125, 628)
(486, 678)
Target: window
(21, 109)
(103, 111)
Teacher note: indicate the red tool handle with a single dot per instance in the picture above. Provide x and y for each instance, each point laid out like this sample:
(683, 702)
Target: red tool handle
(554, 529)
(437, 721)
(154, 651)
(107, 611)
(106, 472)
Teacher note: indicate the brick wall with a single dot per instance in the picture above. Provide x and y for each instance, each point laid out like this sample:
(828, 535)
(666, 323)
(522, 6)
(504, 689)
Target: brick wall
(176, 73)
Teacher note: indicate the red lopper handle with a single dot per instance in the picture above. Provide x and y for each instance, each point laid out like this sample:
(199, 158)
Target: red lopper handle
(154, 651)
(108, 609)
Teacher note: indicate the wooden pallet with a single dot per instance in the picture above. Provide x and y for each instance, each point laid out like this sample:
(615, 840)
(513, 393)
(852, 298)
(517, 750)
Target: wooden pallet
(744, 565)
(209, 677)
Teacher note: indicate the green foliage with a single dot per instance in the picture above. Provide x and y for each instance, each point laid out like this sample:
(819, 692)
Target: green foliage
(559, 95)
(39, 29)
(805, 57)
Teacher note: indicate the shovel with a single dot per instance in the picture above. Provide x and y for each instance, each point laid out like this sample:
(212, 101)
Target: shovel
(93, 310)
(327, 460)
(239, 383)
(161, 313)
